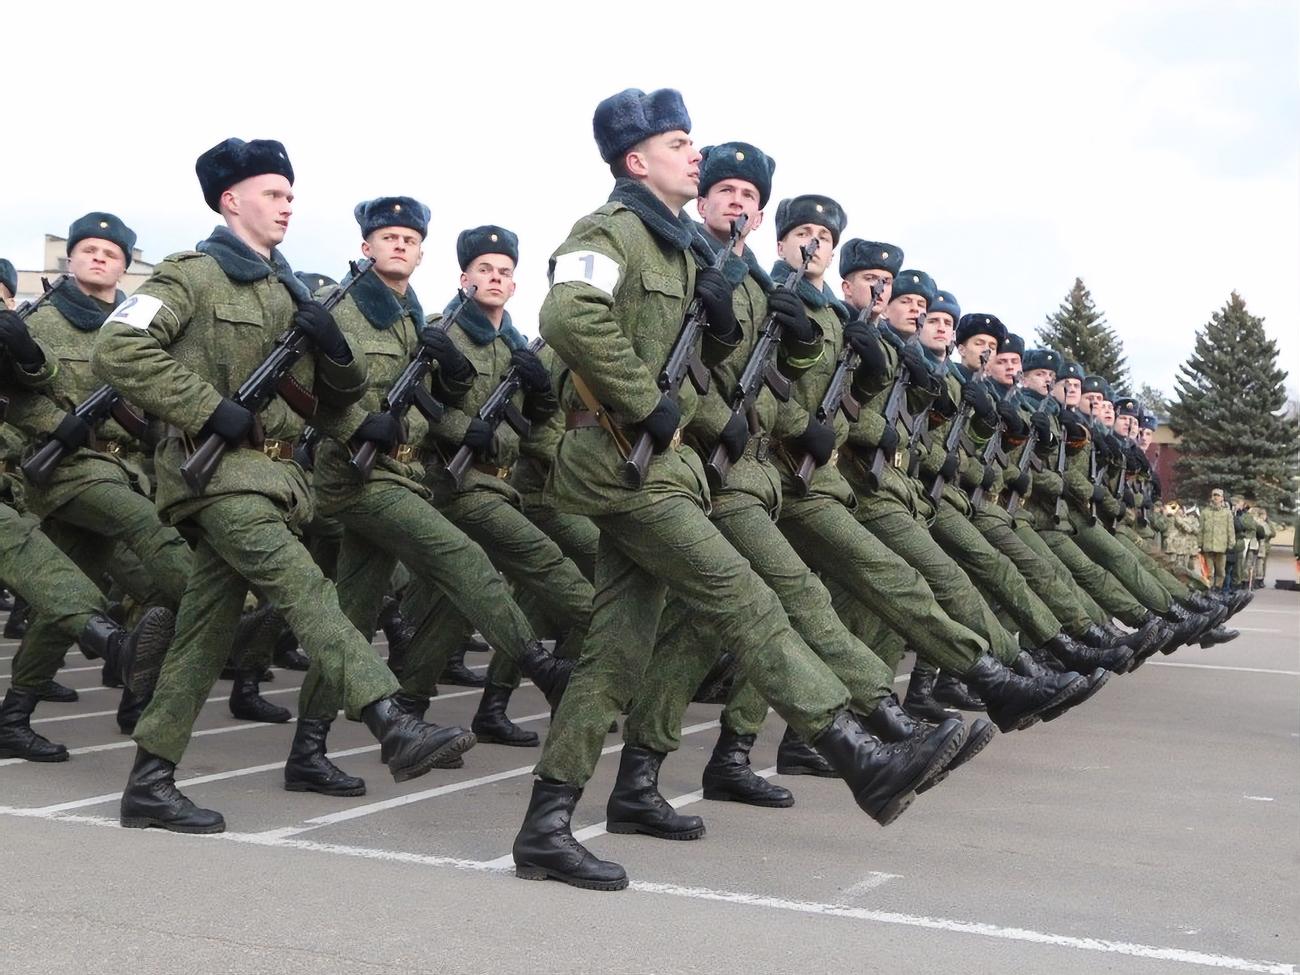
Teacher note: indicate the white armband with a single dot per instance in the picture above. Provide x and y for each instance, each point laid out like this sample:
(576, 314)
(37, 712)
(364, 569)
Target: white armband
(589, 267)
(138, 311)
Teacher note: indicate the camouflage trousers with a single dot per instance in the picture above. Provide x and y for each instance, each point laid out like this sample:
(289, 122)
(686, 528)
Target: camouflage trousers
(670, 545)
(686, 648)
(244, 541)
(1103, 548)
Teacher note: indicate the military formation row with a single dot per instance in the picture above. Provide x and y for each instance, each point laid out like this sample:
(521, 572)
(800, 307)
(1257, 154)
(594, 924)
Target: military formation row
(712, 481)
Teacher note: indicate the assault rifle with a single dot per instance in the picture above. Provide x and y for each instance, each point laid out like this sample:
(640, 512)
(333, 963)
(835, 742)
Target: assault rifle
(92, 411)
(683, 361)
(1029, 458)
(759, 371)
(993, 450)
(262, 385)
(496, 409)
(896, 410)
(958, 429)
(408, 390)
(838, 397)
(24, 311)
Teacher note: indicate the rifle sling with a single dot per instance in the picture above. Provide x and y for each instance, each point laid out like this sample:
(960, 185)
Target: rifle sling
(600, 414)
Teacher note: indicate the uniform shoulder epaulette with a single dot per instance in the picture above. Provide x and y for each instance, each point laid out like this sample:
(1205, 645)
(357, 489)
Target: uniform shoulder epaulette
(184, 256)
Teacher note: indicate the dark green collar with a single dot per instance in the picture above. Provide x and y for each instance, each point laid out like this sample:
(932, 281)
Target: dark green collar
(381, 305)
(737, 268)
(473, 321)
(83, 311)
(812, 297)
(243, 264)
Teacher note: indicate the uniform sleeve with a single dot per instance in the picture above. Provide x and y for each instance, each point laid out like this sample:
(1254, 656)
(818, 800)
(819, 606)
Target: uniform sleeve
(131, 355)
(341, 384)
(578, 319)
(29, 409)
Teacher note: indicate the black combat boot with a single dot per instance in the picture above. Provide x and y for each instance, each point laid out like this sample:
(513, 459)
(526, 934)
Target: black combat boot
(883, 777)
(6, 599)
(397, 632)
(417, 705)
(247, 704)
(548, 672)
(310, 770)
(716, 686)
(152, 799)
(545, 849)
(1039, 664)
(950, 691)
(1082, 659)
(287, 653)
(1095, 636)
(57, 693)
(17, 739)
(919, 699)
(891, 723)
(728, 776)
(794, 756)
(1220, 634)
(635, 805)
(1016, 702)
(408, 746)
(134, 658)
(16, 624)
(493, 727)
(129, 708)
(455, 671)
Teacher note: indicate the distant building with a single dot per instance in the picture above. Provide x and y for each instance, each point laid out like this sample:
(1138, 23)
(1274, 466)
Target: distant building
(56, 263)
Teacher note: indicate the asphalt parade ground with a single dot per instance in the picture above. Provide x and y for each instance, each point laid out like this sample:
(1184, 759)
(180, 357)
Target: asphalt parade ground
(1154, 830)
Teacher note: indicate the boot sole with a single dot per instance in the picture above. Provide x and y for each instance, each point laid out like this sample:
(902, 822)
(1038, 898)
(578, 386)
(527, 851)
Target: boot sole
(157, 629)
(457, 746)
(513, 743)
(972, 746)
(895, 808)
(805, 770)
(543, 873)
(721, 795)
(659, 834)
(338, 793)
(148, 822)
(1074, 702)
(1031, 718)
(262, 719)
(460, 682)
(43, 759)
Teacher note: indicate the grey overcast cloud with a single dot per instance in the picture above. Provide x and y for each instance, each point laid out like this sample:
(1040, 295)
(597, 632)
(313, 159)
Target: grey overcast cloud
(1150, 148)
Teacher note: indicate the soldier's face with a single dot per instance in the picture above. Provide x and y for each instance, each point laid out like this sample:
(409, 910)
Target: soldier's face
(96, 263)
(259, 209)
(1145, 437)
(1039, 380)
(1106, 412)
(936, 333)
(857, 288)
(726, 201)
(494, 275)
(1004, 366)
(974, 347)
(1068, 391)
(6, 297)
(1124, 426)
(1088, 403)
(790, 248)
(905, 313)
(396, 251)
(669, 164)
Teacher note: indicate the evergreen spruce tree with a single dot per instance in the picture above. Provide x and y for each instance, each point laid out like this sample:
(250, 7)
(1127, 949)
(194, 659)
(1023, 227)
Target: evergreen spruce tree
(1153, 399)
(1230, 410)
(1079, 331)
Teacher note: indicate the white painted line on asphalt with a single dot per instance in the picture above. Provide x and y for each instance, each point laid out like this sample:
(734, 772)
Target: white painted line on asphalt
(1255, 629)
(1240, 670)
(746, 899)
(872, 880)
(1259, 798)
(100, 714)
(371, 808)
(1272, 612)
(66, 670)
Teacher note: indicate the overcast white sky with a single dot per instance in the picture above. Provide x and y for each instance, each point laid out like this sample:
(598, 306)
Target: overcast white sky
(1150, 148)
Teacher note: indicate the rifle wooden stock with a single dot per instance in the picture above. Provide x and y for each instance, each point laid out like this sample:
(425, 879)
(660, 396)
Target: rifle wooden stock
(494, 410)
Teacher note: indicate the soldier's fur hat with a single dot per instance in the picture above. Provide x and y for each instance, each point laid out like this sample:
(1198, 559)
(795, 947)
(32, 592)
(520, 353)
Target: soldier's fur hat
(1070, 370)
(737, 160)
(9, 276)
(623, 120)
(488, 239)
(870, 255)
(1014, 343)
(979, 323)
(234, 160)
(392, 211)
(103, 226)
(1098, 384)
(946, 301)
(1042, 359)
(314, 282)
(913, 282)
(810, 208)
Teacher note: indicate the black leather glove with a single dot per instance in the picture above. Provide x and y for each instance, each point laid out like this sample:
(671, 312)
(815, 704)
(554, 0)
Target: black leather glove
(888, 441)
(714, 292)
(451, 361)
(229, 421)
(72, 431)
(15, 336)
(976, 395)
(1074, 430)
(787, 308)
(990, 478)
(1022, 483)
(817, 441)
(918, 368)
(1127, 498)
(478, 436)
(533, 375)
(864, 339)
(1012, 418)
(381, 429)
(662, 423)
(1042, 423)
(314, 319)
(1099, 493)
(1123, 510)
(949, 469)
(735, 436)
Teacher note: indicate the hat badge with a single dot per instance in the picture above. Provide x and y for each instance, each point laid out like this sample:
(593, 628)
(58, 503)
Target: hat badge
(103, 224)
(884, 253)
(740, 156)
(820, 208)
(493, 238)
(397, 208)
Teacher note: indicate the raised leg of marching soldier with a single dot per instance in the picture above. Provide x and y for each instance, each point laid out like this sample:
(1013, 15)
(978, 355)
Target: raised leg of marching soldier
(1185, 597)
(67, 606)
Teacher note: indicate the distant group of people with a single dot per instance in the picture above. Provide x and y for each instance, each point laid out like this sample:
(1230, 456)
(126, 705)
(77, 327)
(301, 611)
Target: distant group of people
(1226, 542)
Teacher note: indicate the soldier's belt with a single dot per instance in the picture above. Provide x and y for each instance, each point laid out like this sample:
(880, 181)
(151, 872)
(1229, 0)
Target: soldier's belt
(275, 449)
(403, 453)
(492, 470)
(759, 448)
(586, 419)
(108, 446)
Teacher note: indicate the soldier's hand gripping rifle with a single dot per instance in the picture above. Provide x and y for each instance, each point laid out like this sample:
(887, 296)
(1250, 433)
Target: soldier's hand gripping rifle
(92, 411)
(25, 310)
(408, 390)
(1029, 458)
(683, 361)
(993, 450)
(896, 409)
(263, 384)
(952, 442)
(838, 397)
(759, 371)
(496, 409)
